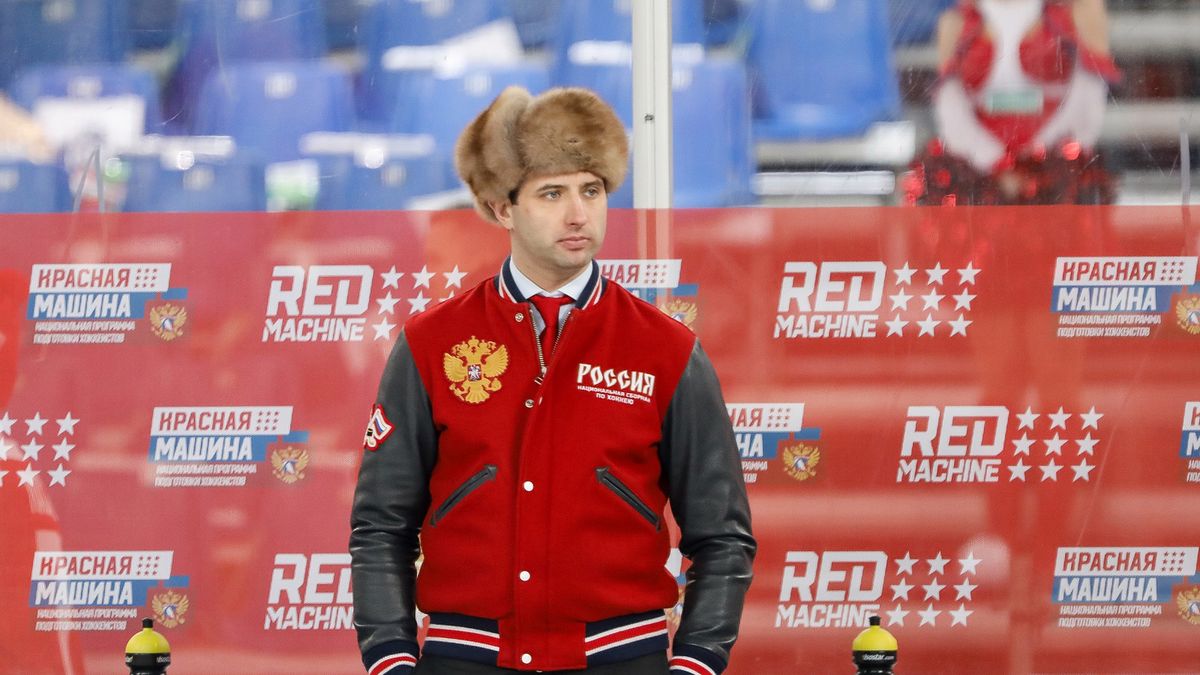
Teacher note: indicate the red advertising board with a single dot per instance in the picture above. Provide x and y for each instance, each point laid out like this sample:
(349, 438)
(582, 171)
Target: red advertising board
(980, 424)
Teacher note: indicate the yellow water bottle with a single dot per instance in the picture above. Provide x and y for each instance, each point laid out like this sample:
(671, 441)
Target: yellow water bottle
(147, 652)
(874, 650)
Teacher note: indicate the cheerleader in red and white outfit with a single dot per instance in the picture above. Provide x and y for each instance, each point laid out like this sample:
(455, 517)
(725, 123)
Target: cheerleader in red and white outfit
(1019, 105)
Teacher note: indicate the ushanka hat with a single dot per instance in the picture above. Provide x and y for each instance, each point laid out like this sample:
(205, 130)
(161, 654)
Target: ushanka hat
(564, 130)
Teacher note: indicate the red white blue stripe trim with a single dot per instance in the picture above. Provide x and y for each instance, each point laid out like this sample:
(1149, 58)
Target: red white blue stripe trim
(394, 663)
(469, 637)
(692, 660)
(506, 286)
(683, 664)
(625, 635)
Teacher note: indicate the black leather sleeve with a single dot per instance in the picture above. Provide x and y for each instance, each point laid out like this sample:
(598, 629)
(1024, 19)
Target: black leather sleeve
(390, 502)
(708, 497)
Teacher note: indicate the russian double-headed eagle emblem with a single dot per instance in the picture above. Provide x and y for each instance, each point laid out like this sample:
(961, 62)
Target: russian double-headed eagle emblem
(167, 320)
(289, 464)
(474, 368)
(169, 608)
(1187, 312)
(681, 310)
(1189, 604)
(800, 460)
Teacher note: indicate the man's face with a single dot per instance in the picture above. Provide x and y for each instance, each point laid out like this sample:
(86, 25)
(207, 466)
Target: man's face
(556, 225)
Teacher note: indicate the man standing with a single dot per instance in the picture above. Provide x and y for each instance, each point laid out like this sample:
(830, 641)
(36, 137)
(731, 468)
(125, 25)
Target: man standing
(532, 431)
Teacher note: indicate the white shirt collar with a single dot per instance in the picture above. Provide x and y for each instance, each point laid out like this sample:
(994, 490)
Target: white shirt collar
(573, 288)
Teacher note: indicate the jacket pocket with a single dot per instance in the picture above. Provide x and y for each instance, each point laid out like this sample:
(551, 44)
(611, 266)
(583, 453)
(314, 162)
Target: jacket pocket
(487, 473)
(608, 480)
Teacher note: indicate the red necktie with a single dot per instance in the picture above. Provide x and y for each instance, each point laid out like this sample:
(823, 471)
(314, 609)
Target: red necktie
(548, 307)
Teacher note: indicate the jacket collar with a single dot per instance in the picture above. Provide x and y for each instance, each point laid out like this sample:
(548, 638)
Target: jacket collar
(507, 286)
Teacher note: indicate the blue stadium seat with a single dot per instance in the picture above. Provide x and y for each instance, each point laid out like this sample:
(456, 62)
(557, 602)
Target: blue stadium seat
(152, 23)
(712, 145)
(388, 24)
(595, 31)
(342, 23)
(267, 107)
(88, 83)
(219, 32)
(914, 21)
(61, 31)
(536, 20)
(443, 106)
(821, 69)
(206, 184)
(347, 184)
(26, 187)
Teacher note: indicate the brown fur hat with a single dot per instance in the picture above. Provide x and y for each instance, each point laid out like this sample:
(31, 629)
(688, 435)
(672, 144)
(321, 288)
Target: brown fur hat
(561, 131)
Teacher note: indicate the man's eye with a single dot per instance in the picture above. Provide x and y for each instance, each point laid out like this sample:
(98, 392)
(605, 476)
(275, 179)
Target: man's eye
(552, 194)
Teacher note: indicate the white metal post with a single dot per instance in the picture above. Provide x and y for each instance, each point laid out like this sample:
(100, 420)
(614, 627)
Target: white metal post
(652, 121)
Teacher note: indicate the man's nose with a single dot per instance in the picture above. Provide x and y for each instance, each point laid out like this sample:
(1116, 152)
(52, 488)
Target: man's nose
(577, 213)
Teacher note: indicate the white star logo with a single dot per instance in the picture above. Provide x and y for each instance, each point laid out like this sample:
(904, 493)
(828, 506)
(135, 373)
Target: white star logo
(1027, 418)
(900, 300)
(932, 299)
(418, 303)
(927, 325)
(66, 425)
(904, 274)
(6, 424)
(422, 278)
(35, 424)
(1054, 445)
(454, 277)
(27, 475)
(929, 615)
(896, 326)
(58, 476)
(937, 565)
(901, 589)
(896, 616)
(964, 590)
(1058, 420)
(383, 329)
(933, 590)
(391, 278)
(387, 304)
(1021, 445)
(1082, 471)
(31, 449)
(1017, 471)
(963, 300)
(1087, 445)
(1091, 418)
(959, 616)
(969, 564)
(905, 565)
(63, 450)
(1050, 471)
(959, 326)
(966, 275)
(936, 274)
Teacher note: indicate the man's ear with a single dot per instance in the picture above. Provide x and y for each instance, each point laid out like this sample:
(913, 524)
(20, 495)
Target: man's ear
(503, 212)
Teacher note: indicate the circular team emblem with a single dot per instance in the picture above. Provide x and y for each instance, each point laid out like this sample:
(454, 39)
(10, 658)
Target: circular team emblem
(167, 320)
(289, 464)
(1187, 312)
(800, 460)
(1189, 605)
(169, 608)
(474, 368)
(681, 310)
